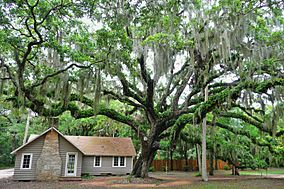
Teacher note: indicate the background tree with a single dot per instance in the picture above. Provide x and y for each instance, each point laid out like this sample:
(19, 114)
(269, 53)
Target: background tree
(154, 58)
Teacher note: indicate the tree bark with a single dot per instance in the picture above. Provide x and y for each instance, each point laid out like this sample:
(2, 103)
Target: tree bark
(216, 164)
(27, 127)
(146, 162)
(211, 163)
(204, 168)
(142, 164)
(185, 154)
(235, 170)
(53, 122)
(137, 166)
(171, 156)
(198, 158)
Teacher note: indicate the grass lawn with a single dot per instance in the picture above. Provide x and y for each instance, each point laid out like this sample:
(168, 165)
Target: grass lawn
(263, 171)
(238, 184)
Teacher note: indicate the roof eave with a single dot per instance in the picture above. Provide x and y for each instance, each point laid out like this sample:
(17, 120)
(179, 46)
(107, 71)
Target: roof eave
(51, 128)
(31, 141)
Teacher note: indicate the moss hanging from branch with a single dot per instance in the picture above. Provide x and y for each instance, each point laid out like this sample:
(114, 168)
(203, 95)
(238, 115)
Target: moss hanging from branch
(97, 89)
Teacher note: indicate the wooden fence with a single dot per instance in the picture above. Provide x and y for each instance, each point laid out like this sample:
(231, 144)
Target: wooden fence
(180, 165)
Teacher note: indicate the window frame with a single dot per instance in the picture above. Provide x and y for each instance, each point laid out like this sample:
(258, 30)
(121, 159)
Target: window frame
(100, 161)
(30, 162)
(119, 161)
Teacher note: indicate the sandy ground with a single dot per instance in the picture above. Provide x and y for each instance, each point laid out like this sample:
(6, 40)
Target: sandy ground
(159, 180)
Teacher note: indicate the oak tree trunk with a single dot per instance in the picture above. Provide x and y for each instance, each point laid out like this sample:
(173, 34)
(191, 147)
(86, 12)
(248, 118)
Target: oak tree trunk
(137, 167)
(144, 161)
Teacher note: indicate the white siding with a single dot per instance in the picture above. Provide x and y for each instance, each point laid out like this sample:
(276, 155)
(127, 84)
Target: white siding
(106, 166)
(64, 147)
(35, 148)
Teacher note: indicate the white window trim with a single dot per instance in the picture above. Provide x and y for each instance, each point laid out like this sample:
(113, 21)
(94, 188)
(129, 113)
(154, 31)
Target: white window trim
(118, 161)
(100, 161)
(22, 160)
(75, 166)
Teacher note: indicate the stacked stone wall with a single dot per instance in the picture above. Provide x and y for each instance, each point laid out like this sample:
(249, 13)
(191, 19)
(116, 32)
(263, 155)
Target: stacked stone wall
(49, 163)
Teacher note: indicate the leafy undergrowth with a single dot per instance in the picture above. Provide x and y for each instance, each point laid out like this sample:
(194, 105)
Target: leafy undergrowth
(87, 177)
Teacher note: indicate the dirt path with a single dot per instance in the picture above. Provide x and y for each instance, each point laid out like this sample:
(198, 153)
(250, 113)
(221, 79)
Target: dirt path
(171, 180)
(6, 173)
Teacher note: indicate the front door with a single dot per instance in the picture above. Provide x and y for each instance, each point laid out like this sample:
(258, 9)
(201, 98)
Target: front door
(71, 164)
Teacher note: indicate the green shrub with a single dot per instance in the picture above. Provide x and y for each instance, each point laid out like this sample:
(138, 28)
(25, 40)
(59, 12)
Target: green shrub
(151, 169)
(197, 174)
(87, 176)
(129, 178)
(226, 167)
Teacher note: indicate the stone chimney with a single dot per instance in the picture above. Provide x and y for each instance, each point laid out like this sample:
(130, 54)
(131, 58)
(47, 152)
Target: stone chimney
(49, 163)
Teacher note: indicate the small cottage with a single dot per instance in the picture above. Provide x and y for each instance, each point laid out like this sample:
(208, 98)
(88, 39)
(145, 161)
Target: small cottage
(54, 156)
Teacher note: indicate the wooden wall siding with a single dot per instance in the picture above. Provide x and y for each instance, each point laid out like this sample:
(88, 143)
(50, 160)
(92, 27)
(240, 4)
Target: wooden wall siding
(64, 147)
(180, 165)
(35, 148)
(106, 166)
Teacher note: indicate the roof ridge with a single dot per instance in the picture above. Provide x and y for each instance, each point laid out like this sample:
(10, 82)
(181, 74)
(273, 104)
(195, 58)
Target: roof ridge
(104, 146)
(94, 136)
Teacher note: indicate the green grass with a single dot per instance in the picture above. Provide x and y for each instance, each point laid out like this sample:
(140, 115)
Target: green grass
(197, 174)
(237, 184)
(262, 171)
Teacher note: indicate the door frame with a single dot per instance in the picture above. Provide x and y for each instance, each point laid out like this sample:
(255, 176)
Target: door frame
(75, 164)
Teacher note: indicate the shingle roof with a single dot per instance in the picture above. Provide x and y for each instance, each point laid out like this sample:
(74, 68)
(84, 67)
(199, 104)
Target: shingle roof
(100, 146)
(103, 146)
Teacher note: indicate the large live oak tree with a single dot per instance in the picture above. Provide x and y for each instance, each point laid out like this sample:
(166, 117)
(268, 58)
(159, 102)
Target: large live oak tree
(155, 58)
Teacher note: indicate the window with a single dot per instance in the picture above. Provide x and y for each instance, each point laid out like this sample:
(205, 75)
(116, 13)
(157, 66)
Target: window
(115, 161)
(71, 164)
(26, 162)
(119, 161)
(122, 162)
(97, 161)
